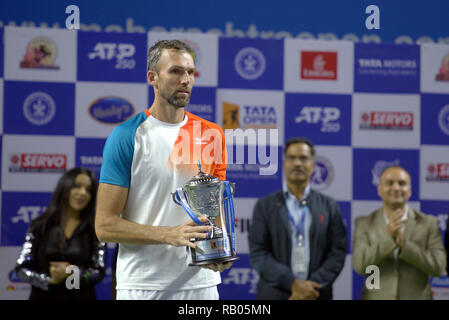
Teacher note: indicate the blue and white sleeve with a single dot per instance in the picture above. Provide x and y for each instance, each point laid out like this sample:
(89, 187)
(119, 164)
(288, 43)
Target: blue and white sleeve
(117, 157)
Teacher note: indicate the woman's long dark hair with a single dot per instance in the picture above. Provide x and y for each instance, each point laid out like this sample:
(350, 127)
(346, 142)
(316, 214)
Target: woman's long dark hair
(56, 211)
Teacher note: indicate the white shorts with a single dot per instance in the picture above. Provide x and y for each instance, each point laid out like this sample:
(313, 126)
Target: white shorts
(209, 293)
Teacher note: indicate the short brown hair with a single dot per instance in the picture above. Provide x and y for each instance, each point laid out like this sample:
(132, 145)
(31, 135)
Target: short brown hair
(154, 54)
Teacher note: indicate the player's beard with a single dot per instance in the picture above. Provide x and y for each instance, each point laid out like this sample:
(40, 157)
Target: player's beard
(178, 102)
(175, 101)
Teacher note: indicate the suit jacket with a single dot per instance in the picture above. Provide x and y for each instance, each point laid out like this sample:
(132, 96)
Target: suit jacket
(407, 277)
(270, 245)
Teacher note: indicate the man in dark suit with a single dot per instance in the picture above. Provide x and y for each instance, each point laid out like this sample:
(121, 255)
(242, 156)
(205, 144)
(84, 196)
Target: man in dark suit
(297, 239)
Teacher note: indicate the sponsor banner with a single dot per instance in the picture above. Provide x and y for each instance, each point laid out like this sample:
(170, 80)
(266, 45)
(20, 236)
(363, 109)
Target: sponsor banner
(369, 164)
(202, 102)
(102, 106)
(332, 167)
(440, 210)
(256, 170)
(89, 154)
(250, 63)
(11, 288)
(435, 119)
(35, 163)
(318, 66)
(205, 47)
(324, 119)
(440, 288)
(1, 105)
(386, 120)
(240, 278)
(39, 108)
(1, 150)
(251, 110)
(243, 219)
(386, 68)
(18, 210)
(40, 54)
(358, 281)
(103, 289)
(435, 68)
(105, 56)
(434, 172)
(345, 209)
(344, 282)
(1, 52)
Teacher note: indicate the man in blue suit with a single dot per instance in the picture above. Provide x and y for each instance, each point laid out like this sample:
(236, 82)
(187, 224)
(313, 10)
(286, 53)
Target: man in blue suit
(297, 240)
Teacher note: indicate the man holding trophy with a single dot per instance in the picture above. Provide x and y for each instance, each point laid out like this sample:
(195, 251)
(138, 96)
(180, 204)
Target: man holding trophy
(148, 201)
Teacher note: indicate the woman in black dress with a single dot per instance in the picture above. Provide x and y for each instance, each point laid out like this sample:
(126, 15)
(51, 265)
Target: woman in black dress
(62, 257)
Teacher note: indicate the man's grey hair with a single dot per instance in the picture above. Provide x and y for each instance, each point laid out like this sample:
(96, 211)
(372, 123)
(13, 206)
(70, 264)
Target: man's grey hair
(155, 52)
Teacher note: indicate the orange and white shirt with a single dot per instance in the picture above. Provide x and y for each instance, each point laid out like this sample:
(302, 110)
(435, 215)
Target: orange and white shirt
(152, 159)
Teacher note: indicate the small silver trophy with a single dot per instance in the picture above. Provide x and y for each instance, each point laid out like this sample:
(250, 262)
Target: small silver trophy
(206, 195)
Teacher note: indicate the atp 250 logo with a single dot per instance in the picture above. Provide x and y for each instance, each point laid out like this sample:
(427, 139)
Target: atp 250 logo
(326, 116)
(122, 53)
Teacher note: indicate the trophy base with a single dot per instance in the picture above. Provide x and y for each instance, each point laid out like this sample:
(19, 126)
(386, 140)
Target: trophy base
(206, 262)
(210, 251)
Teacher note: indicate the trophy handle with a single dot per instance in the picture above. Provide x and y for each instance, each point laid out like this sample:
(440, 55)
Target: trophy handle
(183, 203)
(229, 209)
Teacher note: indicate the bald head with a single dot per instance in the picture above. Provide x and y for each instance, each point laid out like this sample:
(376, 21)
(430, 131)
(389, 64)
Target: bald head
(394, 187)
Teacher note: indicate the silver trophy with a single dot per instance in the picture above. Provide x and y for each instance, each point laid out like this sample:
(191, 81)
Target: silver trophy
(206, 195)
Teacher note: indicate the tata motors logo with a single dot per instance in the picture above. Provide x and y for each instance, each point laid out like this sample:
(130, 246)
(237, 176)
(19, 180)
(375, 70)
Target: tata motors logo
(36, 162)
(318, 65)
(438, 172)
(39, 108)
(249, 116)
(121, 53)
(393, 67)
(40, 53)
(111, 109)
(443, 75)
(443, 119)
(383, 120)
(323, 174)
(250, 63)
(327, 117)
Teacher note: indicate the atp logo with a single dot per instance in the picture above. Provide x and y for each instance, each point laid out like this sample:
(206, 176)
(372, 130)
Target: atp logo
(122, 53)
(26, 214)
(326, 116)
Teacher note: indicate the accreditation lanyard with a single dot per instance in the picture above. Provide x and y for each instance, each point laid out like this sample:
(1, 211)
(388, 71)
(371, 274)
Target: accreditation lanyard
(299, 263)
(300, 233)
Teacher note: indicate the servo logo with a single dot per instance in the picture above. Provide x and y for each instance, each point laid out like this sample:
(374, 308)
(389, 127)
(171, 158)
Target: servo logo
(37, 162)
(386, 120)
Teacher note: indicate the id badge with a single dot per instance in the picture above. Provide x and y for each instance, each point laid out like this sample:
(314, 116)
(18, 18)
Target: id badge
(300, 257)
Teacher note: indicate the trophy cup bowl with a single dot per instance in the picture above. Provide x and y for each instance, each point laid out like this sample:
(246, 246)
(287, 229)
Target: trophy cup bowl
(206, 195)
